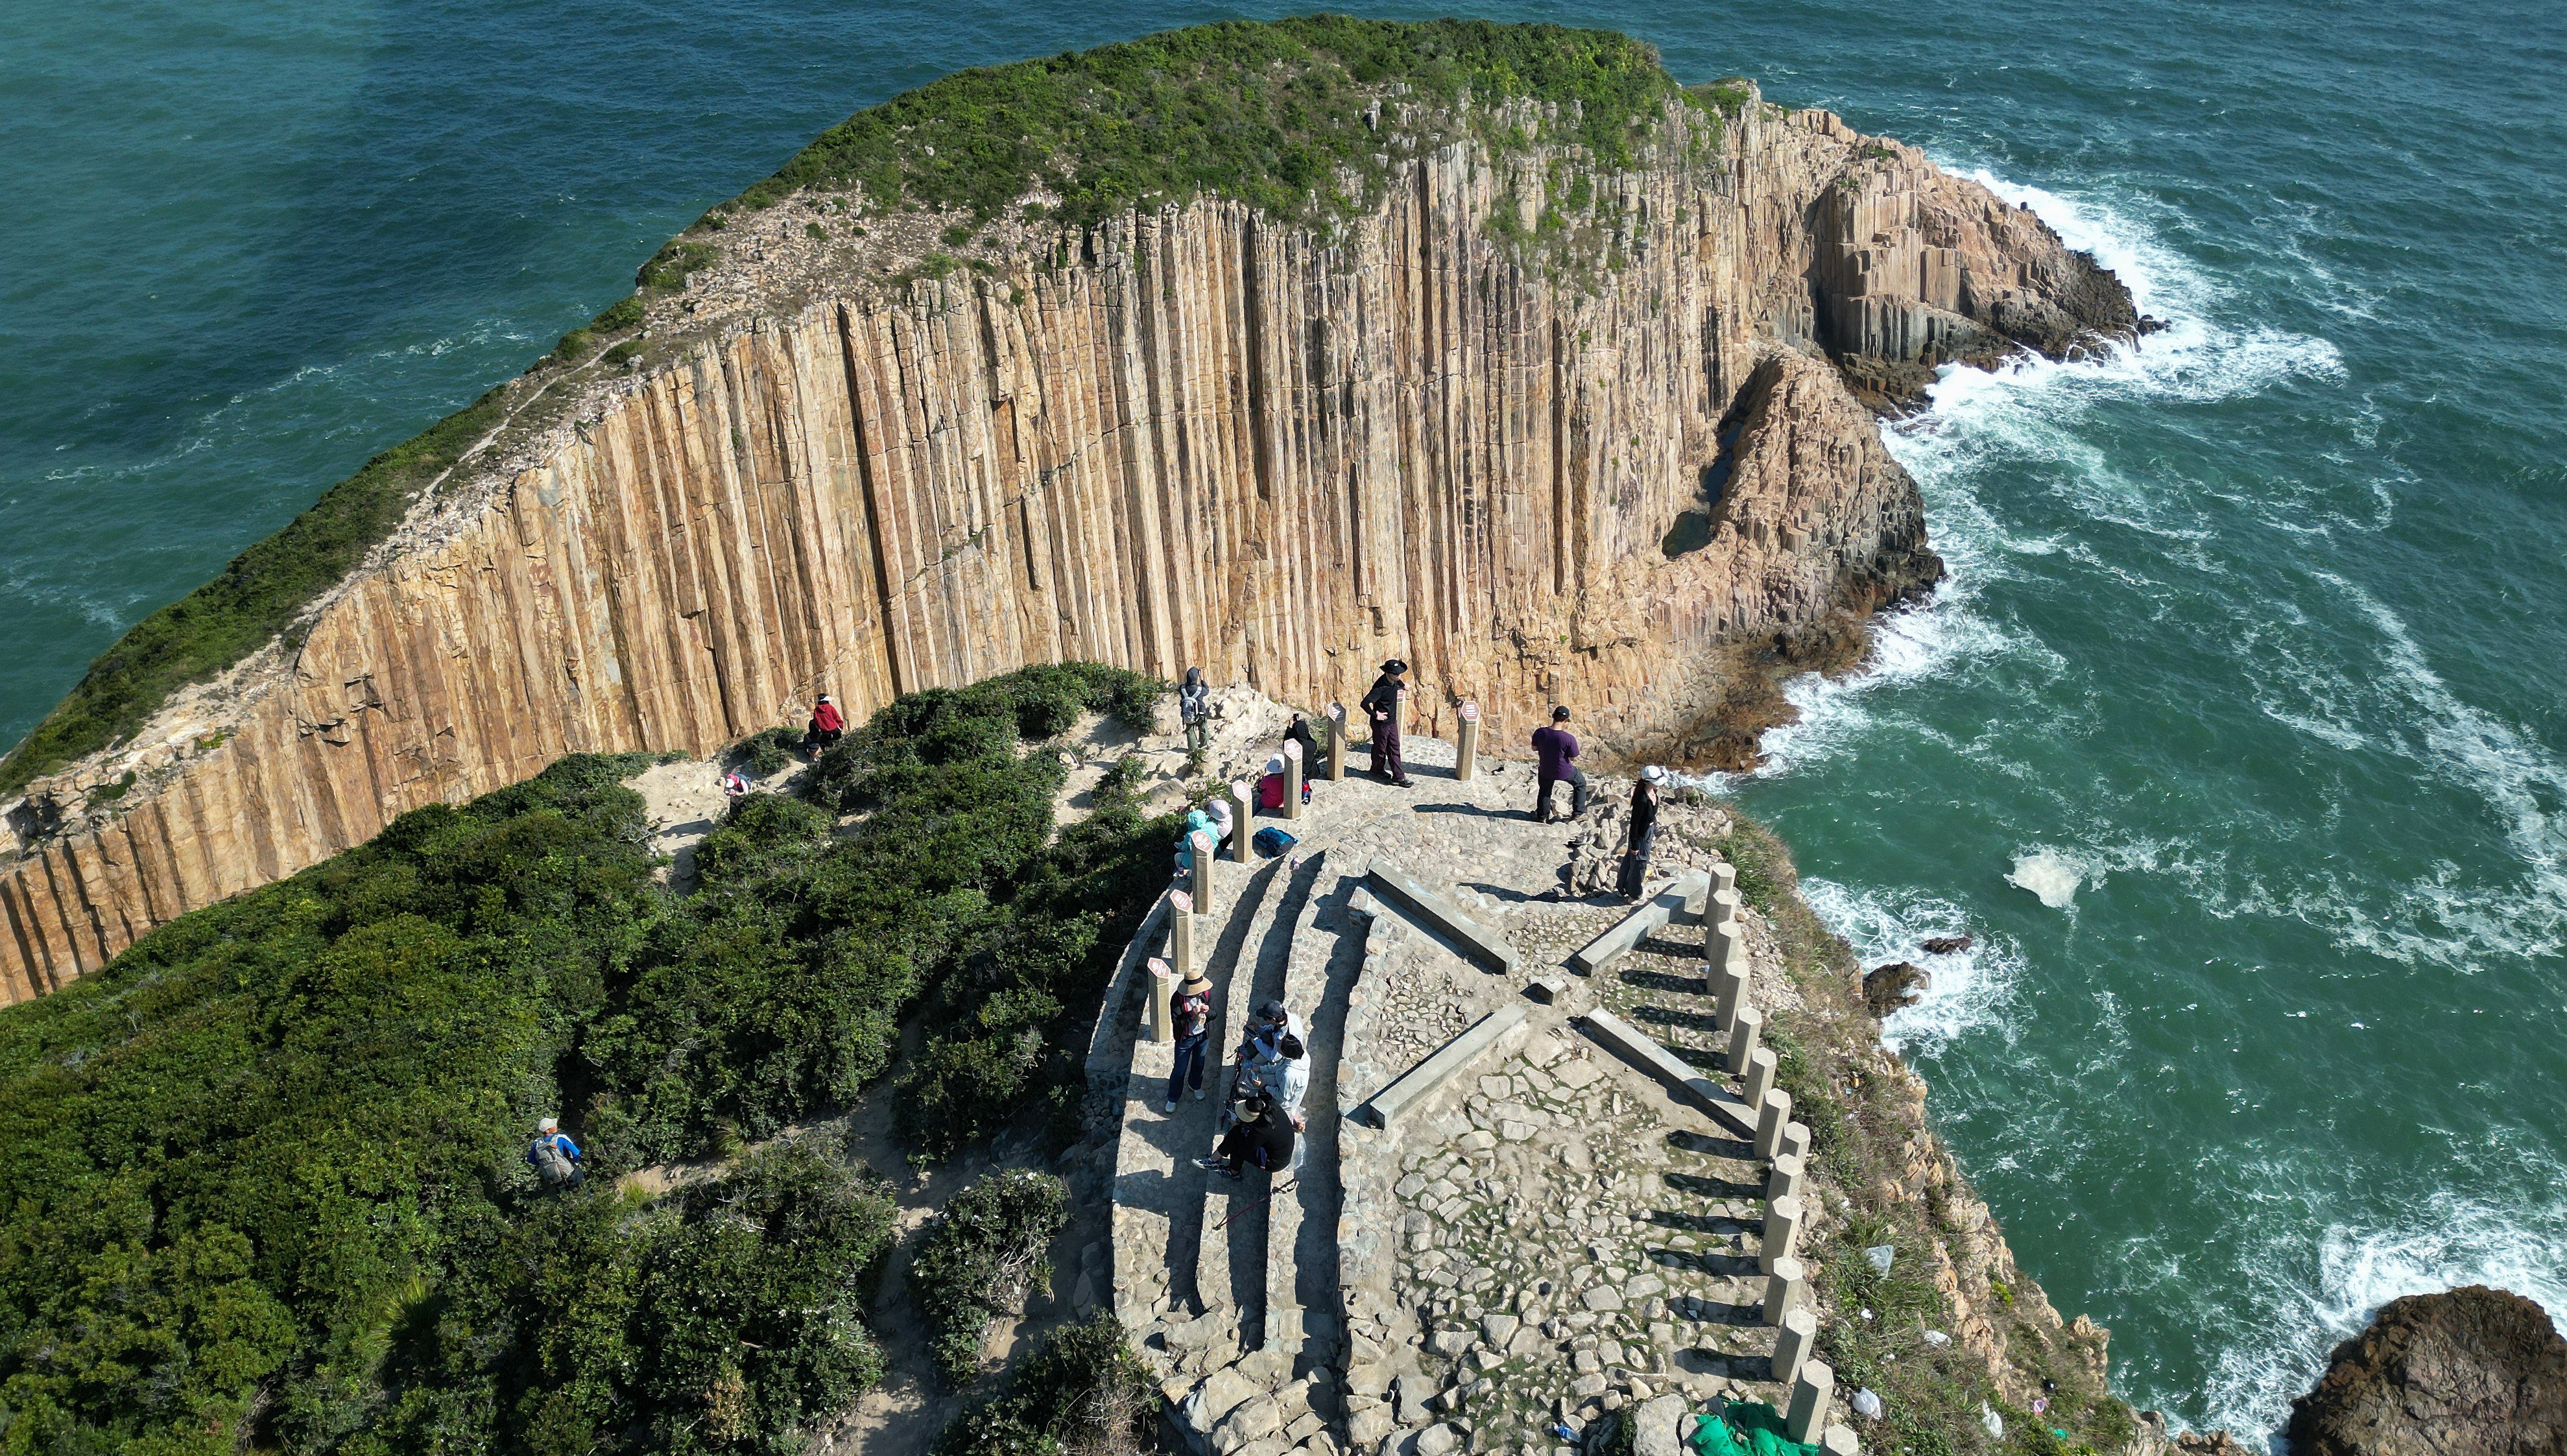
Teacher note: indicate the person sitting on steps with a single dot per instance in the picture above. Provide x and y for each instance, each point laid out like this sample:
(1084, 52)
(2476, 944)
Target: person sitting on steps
(1261, 1136)
(1556, 753)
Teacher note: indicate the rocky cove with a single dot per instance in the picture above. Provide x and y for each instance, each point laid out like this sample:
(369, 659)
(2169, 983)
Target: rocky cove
(1551, 425)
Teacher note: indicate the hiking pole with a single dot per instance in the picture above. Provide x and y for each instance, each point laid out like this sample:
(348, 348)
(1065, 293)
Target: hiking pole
(1235, 1209)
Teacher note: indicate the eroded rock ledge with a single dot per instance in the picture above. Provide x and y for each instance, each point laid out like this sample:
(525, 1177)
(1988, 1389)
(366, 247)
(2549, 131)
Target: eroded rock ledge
(1190, 436)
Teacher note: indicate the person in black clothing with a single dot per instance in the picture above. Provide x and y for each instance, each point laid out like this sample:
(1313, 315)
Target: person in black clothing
(1263, 1136)
(1644, 830)
(1300, 732)
(1382, 706)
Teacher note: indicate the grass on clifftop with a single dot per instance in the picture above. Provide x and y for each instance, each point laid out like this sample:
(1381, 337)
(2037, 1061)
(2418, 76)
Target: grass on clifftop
(1270, 114)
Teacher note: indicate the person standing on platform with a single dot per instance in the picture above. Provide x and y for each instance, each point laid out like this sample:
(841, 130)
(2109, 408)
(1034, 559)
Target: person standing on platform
(1384, 705)
(1556, 749)
(1194, 709)
(1644, 830)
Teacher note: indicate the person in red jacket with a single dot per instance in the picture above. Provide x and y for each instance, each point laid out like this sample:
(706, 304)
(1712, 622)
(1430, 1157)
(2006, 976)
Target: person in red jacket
(825, 727)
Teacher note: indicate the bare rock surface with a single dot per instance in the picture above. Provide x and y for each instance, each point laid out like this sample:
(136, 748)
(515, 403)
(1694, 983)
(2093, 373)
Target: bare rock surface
(2473, 1371)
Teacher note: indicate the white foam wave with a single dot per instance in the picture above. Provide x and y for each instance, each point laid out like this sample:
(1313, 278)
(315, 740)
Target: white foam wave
(1966, 990)
(2313, 1299)
(2054, 876)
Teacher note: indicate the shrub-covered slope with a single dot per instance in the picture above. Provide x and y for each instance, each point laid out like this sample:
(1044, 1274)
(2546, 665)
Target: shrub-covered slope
(261, 1179)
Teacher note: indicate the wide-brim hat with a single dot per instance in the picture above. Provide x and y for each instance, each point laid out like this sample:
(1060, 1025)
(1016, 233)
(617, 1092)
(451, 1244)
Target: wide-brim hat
(1655, 774)
(1394, 666)
(1195, 981)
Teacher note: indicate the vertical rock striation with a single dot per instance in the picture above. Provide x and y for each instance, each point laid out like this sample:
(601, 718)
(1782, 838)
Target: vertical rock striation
(1191, 436)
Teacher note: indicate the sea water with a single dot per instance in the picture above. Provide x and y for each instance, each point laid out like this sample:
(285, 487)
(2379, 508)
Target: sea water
(2235, 740)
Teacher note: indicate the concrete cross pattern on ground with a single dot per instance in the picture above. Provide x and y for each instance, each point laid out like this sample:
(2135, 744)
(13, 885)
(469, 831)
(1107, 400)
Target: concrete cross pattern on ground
(1516, 1212)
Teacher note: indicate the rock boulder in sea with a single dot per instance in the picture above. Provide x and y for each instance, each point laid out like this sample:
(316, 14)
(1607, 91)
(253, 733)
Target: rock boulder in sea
(1894, 985)
(2473, 1371)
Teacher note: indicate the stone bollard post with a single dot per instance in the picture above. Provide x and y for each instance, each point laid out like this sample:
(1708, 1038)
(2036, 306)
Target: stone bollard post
(1761, 1065)
(1205, 886)
(1791, 1346)
(1242, 821)
(1465, 742)
(1292, 779)
(1841, 1441)
(1784, 1289)
(1163, 987)
(1784, 1180)
(1729, 989)
(1782, 1232)
(1336, 741)
(1722, 908)
(1772, 1116)
(1724, 877)
(1181, 931)
(1743, 1032)
(1795, 1142)
(1811, 1394)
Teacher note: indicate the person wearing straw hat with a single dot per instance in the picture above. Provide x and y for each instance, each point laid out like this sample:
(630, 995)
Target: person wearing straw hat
(1190, 1009)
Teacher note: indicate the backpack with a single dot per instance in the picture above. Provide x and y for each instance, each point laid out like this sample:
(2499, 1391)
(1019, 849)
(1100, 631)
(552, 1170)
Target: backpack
(1270, 841)
(551, 1163)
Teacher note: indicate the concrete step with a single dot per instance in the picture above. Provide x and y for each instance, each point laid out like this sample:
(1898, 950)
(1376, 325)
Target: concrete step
(1227, 1217)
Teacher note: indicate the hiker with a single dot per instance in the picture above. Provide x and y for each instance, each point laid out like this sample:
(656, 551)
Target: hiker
(825, 727)
(554, 1157)
(1190, 1009)
(1196, 822)
(1382, 706)
(1645, 829)
(1270, 1022)
(1555, 748)
(1261, 1136)
(1194, 709)
(734, 786)
(1282, 1075)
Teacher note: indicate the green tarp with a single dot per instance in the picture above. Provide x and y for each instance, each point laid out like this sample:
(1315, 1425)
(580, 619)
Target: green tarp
(1746, 1428)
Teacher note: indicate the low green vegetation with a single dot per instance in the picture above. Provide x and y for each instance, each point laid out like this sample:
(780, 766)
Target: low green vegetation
(262, 1178)
(984, 1255)
(1272, 113)
(1081, 1393)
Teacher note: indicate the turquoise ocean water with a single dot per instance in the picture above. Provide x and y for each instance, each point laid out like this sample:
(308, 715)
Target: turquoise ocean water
(2236, 738)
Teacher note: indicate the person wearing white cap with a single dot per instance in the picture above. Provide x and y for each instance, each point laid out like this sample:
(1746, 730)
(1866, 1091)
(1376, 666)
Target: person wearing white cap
(554, 1157)
(1644, 830)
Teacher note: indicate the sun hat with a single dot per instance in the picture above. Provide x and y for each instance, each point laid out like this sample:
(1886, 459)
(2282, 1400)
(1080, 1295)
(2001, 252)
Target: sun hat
(1394, 666)
(1193, 980)
(1655, 774)
(550, 1124)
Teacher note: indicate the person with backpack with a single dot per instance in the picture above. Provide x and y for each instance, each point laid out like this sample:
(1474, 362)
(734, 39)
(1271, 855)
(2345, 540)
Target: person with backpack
(554, 1157)
(1382, 708)
(1556, 759)
(1194, 711)
(825, 728)
(734, 787)
(1263, 1136)
(1644, 830)
(1190, 1009)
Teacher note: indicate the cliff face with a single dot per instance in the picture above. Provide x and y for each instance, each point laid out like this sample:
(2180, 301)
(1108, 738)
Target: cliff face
(1188, 438)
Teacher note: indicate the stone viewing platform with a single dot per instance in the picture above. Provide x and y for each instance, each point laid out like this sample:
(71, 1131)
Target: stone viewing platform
(1532, 1194)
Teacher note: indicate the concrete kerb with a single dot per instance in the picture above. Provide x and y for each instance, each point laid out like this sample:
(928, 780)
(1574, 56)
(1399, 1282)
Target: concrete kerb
(1636, 1046)
(1631, 929)
(1475, 940)
(1420, 1082)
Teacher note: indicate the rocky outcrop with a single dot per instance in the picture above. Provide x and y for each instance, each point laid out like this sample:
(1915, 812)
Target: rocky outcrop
(1187, 437)
(2473, 1371)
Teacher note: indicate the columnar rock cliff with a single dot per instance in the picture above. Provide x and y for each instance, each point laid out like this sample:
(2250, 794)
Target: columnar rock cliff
(1537, 469)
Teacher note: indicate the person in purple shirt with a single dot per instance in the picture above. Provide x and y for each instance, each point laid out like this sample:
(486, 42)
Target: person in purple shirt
(1556, 750)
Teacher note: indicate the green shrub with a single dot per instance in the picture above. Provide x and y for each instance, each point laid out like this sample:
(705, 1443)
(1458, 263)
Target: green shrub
(623, 313)
(769, 753)
(676, 262)
(1082, 1392)
(979, 1261)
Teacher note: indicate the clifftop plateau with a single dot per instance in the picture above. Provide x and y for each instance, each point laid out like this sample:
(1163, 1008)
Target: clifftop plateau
(1273, 349)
